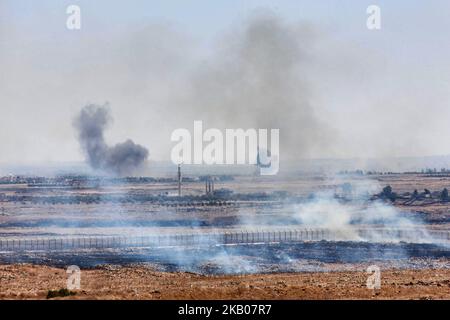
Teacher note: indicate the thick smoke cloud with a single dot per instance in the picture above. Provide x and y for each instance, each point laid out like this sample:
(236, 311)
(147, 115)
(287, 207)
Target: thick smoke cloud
(124, 158)
(256, 78)
(370, 87)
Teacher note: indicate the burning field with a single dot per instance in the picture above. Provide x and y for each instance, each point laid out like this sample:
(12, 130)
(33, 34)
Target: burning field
(308, 237)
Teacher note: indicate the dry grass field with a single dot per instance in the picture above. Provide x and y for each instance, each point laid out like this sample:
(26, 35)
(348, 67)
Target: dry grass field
(33, 282)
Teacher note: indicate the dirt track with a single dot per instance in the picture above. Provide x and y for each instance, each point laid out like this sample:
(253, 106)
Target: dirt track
(33, 282)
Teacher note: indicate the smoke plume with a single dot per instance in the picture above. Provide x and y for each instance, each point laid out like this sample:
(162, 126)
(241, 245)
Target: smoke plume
(124, 158)
(257, 78)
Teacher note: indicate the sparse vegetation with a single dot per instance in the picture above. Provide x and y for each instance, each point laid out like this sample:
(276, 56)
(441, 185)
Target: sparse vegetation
(63, 292)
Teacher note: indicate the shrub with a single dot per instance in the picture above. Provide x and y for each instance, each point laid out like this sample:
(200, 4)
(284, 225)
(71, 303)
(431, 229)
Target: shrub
(60, 293)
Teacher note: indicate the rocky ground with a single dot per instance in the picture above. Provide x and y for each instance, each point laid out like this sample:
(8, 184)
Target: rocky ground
(24, 281)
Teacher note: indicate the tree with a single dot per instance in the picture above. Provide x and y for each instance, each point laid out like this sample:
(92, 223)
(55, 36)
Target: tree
(387, 190)
(388, 194)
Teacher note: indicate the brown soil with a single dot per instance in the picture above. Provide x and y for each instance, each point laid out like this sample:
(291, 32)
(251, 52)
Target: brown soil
(33, 282)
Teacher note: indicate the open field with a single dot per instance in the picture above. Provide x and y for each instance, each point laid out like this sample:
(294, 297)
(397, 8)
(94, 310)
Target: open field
(112, 282)
(126, 208)
(138, 240)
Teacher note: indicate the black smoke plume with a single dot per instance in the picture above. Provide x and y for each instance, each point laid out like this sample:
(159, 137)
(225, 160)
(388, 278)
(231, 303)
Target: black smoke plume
(124, 158)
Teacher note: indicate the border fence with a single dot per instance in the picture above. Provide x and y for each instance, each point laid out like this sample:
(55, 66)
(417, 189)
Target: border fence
(234, 237)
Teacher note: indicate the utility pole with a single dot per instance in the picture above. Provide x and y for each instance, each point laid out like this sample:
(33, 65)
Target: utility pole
(179, 180)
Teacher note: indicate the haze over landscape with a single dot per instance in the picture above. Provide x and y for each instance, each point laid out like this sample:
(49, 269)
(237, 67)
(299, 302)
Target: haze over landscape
(334, 88)
(115, 125)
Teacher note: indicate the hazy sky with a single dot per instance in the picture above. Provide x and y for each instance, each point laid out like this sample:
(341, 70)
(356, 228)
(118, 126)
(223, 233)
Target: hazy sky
(349, 91)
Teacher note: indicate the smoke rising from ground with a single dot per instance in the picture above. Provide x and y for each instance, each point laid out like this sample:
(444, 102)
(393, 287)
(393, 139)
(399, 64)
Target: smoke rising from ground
(350, 219)
(122, 159)
(353, 215)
